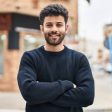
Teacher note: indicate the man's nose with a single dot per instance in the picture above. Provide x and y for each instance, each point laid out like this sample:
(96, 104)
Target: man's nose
(54, 28)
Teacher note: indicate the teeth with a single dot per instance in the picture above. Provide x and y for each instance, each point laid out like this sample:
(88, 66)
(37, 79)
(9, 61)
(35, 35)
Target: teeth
(54, 35)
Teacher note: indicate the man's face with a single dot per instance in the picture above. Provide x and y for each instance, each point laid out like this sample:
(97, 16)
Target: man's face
(54, 29)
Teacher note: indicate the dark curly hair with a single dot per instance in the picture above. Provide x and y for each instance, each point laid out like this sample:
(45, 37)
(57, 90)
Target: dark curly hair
(53, 10)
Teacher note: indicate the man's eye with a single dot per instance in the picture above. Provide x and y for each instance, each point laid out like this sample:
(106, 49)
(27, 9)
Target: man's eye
(48, 25)
(59, 25)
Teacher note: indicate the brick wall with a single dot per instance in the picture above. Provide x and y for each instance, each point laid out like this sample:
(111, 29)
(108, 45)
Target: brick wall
(8, 81)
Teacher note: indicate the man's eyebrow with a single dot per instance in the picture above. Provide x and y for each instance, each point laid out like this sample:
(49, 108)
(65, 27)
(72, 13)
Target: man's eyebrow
(48, 22)
(60, 22)
(56, 22)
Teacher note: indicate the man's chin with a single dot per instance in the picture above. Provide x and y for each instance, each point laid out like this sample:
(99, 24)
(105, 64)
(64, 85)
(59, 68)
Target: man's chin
(54, 38)
(53, 44)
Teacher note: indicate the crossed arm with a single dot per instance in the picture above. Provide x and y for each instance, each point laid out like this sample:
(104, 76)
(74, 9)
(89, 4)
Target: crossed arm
(61, 93)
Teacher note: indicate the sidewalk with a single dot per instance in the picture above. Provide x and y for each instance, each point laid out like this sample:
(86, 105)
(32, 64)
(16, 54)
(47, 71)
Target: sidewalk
(103, 96)
(12, 110)
(103, 92)
(11, 101)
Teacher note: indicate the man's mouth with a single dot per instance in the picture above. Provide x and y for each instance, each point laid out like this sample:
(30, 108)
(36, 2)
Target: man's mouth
(54, 35)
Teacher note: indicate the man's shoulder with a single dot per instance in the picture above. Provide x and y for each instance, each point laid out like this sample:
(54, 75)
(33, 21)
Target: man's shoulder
(33, 52)
(76, 53)
(78, 56)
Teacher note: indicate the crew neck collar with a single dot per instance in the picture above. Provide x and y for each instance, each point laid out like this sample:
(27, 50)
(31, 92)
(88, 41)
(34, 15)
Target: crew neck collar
(53, 53)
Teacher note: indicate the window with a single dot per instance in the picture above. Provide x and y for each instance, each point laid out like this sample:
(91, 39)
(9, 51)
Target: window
(32, 42)
(2, 37)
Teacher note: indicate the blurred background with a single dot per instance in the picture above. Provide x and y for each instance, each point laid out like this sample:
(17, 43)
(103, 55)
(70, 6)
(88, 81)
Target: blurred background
(90, 32)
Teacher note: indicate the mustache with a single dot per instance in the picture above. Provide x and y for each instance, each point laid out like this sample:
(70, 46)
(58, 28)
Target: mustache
(53, 33)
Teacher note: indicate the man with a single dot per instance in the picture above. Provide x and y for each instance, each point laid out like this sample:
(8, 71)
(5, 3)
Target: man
(48, 75)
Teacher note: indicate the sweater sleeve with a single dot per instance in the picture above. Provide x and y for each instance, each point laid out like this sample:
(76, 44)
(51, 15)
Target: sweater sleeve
(83, 94)
(33, 91)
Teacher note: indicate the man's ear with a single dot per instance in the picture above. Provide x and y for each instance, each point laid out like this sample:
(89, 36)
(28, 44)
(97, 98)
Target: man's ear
(41, 29)
(67, 28)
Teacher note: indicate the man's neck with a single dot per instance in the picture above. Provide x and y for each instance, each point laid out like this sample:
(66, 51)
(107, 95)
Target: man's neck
(52, 48)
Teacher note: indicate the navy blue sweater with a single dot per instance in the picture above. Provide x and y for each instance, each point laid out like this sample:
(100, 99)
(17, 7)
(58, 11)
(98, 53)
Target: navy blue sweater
(46, 81)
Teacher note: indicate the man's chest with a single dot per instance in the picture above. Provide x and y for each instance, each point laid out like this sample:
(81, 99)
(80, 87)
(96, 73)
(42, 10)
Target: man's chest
(55, 69)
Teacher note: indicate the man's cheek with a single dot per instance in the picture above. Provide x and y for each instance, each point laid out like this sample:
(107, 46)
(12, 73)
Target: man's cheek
(45, 33)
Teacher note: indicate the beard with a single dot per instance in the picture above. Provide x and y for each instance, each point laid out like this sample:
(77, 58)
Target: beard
(54, 38)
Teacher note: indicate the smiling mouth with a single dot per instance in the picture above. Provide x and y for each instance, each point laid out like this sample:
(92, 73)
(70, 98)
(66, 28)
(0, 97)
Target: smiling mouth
(54, 35)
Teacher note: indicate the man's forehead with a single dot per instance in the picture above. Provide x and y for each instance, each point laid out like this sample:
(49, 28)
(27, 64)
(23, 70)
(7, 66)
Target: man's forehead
(54, 19)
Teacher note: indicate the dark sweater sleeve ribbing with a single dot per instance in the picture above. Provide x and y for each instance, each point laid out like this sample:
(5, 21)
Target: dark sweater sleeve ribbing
(35, 92)
(83, 94)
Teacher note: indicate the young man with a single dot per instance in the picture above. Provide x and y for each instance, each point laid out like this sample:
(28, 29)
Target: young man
(47, 75)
